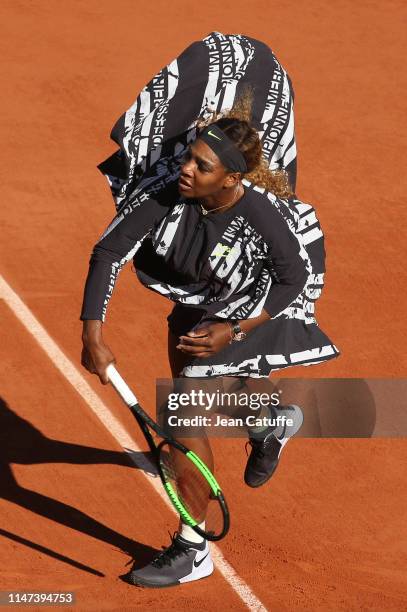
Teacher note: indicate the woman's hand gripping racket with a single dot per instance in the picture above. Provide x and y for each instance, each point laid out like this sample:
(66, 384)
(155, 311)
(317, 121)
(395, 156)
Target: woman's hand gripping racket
(188, 482)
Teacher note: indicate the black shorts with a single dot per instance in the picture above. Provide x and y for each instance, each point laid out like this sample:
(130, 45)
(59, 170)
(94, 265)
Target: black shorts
(183, 318)
(276, 344)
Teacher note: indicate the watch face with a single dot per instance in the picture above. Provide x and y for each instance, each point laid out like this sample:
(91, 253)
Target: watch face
(239, 336)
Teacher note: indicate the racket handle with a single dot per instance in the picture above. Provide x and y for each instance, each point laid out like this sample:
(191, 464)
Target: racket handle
(121, 386)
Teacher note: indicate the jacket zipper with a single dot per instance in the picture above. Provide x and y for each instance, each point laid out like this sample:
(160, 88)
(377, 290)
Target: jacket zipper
(197, 227)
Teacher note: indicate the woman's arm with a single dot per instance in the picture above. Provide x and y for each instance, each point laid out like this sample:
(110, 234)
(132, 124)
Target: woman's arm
(117, 246)
(211, 337)
(284, 262)
(96, 355)
(287, 266)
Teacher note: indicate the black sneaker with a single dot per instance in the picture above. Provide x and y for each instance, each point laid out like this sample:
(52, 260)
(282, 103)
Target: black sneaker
(267, 447)
(182, 561)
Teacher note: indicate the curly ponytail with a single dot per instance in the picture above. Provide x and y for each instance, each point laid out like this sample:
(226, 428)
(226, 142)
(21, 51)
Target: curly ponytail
(236, 124)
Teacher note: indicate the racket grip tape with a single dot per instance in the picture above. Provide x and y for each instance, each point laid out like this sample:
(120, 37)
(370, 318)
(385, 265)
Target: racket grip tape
(121, 386)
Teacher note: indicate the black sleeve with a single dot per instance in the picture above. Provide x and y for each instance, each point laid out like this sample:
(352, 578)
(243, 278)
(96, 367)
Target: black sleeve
(118, 245)
(289, 269)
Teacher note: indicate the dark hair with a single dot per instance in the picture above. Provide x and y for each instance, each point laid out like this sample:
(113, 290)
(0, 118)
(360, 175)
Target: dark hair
(245, 138)
(236, 125)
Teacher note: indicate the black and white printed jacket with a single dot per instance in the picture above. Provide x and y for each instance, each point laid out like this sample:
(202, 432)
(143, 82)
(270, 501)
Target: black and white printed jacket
(264, 252)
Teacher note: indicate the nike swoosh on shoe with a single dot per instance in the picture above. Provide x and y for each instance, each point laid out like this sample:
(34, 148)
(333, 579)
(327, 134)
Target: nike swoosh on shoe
(297, 426)
(198, 563)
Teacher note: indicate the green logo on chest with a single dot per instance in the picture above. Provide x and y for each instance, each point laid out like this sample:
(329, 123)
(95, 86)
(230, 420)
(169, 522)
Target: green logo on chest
(221, 250)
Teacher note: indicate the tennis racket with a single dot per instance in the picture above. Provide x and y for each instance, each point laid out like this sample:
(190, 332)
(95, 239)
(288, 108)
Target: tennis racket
(190, 485)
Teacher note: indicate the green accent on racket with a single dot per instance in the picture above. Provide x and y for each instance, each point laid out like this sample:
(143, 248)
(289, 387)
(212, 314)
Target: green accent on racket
(178, 505)
(216, 515)
(203, 468)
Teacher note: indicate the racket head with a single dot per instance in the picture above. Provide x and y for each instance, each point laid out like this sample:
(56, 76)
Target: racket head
(193, 490)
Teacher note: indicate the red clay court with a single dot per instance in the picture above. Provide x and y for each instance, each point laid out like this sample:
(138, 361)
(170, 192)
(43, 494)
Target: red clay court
(328, 532)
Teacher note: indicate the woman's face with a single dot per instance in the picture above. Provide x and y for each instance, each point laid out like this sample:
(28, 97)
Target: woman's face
(202, 173)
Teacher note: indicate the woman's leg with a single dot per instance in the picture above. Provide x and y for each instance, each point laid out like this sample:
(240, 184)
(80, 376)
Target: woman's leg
(199, 444)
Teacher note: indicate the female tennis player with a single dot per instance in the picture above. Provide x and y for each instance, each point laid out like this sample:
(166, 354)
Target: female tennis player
(243, 260)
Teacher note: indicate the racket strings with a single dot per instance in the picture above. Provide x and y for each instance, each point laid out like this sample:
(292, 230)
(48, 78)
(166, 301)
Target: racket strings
(192, 489)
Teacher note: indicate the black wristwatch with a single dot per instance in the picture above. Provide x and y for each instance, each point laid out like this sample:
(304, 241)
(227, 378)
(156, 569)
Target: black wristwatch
(236, 332)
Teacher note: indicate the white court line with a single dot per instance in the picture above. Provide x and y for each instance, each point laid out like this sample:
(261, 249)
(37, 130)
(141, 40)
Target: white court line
(72, 374)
